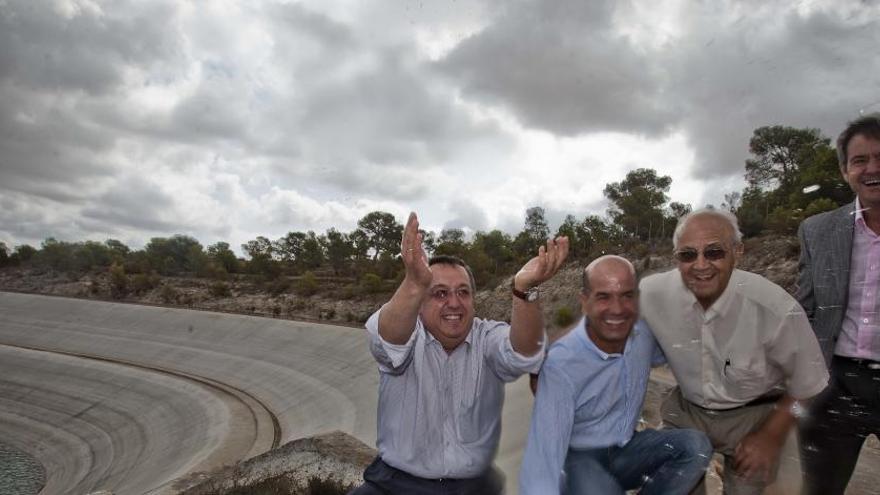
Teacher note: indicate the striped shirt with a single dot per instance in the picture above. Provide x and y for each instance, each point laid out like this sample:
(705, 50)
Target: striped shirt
(440, 413)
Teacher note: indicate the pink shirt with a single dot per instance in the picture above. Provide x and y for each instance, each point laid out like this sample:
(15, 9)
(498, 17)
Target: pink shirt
(860, 332)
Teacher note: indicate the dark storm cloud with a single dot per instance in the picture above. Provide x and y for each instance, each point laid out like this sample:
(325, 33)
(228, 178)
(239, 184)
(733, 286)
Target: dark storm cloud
(561, 66)
(42, 46)
(564, 67)
(812, 70)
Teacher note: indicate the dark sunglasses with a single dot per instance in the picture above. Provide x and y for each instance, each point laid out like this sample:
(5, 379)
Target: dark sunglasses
(690, 255)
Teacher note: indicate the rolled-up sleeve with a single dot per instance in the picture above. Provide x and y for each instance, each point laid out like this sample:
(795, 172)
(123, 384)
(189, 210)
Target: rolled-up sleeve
(392, 358)
(543, 462)
(504, 360)
(796, 351)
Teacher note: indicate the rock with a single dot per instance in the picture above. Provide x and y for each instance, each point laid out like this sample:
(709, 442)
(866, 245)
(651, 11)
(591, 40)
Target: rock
(334, 458)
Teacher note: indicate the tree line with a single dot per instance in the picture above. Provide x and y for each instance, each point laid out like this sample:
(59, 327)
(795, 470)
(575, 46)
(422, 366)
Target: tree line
(792, 173)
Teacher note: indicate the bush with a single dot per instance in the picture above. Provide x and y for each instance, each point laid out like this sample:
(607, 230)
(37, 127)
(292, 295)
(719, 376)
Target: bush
(371, 283)
(118, 282)
(564, 317)
(168, 294)
(307, 285)
(220, 289)
(141, 282)
(278, 286)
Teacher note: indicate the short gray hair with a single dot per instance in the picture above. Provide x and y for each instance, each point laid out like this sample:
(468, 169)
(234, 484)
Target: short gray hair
(728, 216)
(586, 275)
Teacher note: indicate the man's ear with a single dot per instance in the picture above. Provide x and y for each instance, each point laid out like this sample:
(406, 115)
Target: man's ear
(583, 299)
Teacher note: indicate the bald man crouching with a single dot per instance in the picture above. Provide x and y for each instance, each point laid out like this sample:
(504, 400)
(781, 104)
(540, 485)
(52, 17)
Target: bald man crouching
(589, 398)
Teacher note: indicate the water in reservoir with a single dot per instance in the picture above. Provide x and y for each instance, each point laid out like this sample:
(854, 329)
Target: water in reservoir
(20, 474)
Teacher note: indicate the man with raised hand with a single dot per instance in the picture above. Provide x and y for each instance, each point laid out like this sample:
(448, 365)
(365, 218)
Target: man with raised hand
(837, 286)
(442, 372)
(740, 347)
(583, 436)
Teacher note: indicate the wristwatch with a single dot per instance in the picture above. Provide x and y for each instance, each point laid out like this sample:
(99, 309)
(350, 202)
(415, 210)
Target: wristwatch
(531, 295)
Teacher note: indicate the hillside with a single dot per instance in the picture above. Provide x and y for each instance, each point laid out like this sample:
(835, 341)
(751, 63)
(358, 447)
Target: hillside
(335, 300)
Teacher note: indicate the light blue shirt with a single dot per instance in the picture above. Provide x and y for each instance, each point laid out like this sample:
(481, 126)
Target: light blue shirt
(440, 413)
(586, 399)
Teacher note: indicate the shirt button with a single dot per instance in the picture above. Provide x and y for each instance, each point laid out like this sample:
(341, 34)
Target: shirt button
(865, 320)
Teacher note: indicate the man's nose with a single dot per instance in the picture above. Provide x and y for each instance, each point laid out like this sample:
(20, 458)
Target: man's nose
(453, 300)
(615, 306)
(701, 261)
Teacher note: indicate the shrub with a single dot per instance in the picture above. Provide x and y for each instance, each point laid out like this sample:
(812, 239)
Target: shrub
(278, 286)
(118, 282)
(141, 282)
(371, 283)
(168, 294)
(307, 285)
(564, 317)
(220, 289)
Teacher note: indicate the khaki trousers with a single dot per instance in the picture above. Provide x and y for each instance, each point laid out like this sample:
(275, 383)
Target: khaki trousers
(725, 429)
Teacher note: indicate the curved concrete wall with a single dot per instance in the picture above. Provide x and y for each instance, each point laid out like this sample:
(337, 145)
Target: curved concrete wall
(127, 428)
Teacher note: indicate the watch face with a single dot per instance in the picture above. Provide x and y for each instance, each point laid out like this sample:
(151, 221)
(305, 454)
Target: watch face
(532, 294)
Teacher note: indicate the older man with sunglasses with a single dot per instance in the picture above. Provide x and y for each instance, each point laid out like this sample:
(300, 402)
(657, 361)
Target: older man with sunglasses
(740, 347)
(442, 372)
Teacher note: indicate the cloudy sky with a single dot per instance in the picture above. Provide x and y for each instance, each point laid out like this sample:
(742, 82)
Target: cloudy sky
(226, 120)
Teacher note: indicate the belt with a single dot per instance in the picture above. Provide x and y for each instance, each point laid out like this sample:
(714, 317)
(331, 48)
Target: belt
(862, 363)
(764, 399)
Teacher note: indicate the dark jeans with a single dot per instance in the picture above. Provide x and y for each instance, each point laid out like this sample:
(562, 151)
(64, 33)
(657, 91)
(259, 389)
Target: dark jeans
(382, 479)
(657, 462)
(840, 420)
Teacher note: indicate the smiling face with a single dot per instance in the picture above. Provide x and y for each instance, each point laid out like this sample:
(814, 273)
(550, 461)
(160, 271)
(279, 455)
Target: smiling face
(862, 171)
(707, 279)
(448, 310)
(611, 305)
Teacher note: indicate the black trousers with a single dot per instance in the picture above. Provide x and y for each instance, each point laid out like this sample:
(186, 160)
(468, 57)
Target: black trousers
(382, 479)
(840, 419)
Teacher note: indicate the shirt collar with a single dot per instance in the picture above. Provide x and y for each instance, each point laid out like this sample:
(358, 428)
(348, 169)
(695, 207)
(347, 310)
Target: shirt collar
(585, 338)
(859, 217)
(431, 339)
(721, 305)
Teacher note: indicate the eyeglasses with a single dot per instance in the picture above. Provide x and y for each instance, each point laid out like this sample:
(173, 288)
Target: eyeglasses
(689, 255)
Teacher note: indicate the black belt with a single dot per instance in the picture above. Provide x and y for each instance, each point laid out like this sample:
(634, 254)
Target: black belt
(861, 363)
(764, 399)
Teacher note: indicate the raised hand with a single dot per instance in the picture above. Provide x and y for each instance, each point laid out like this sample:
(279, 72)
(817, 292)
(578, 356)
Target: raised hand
(543, 266)
(413, 253)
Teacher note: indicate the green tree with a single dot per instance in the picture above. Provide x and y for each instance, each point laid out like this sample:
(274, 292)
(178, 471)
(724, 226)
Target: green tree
(789, 169)
(339, 250)
(637, 202)
(312, 252)
(382, 232)
(23, 253)
(4, 254)
(779, 154)
(451, 242)
(261, 262)
(570, 228)
(498, 248)
(222, 255)
(290, 247)
(172, 255)
(534, 234)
